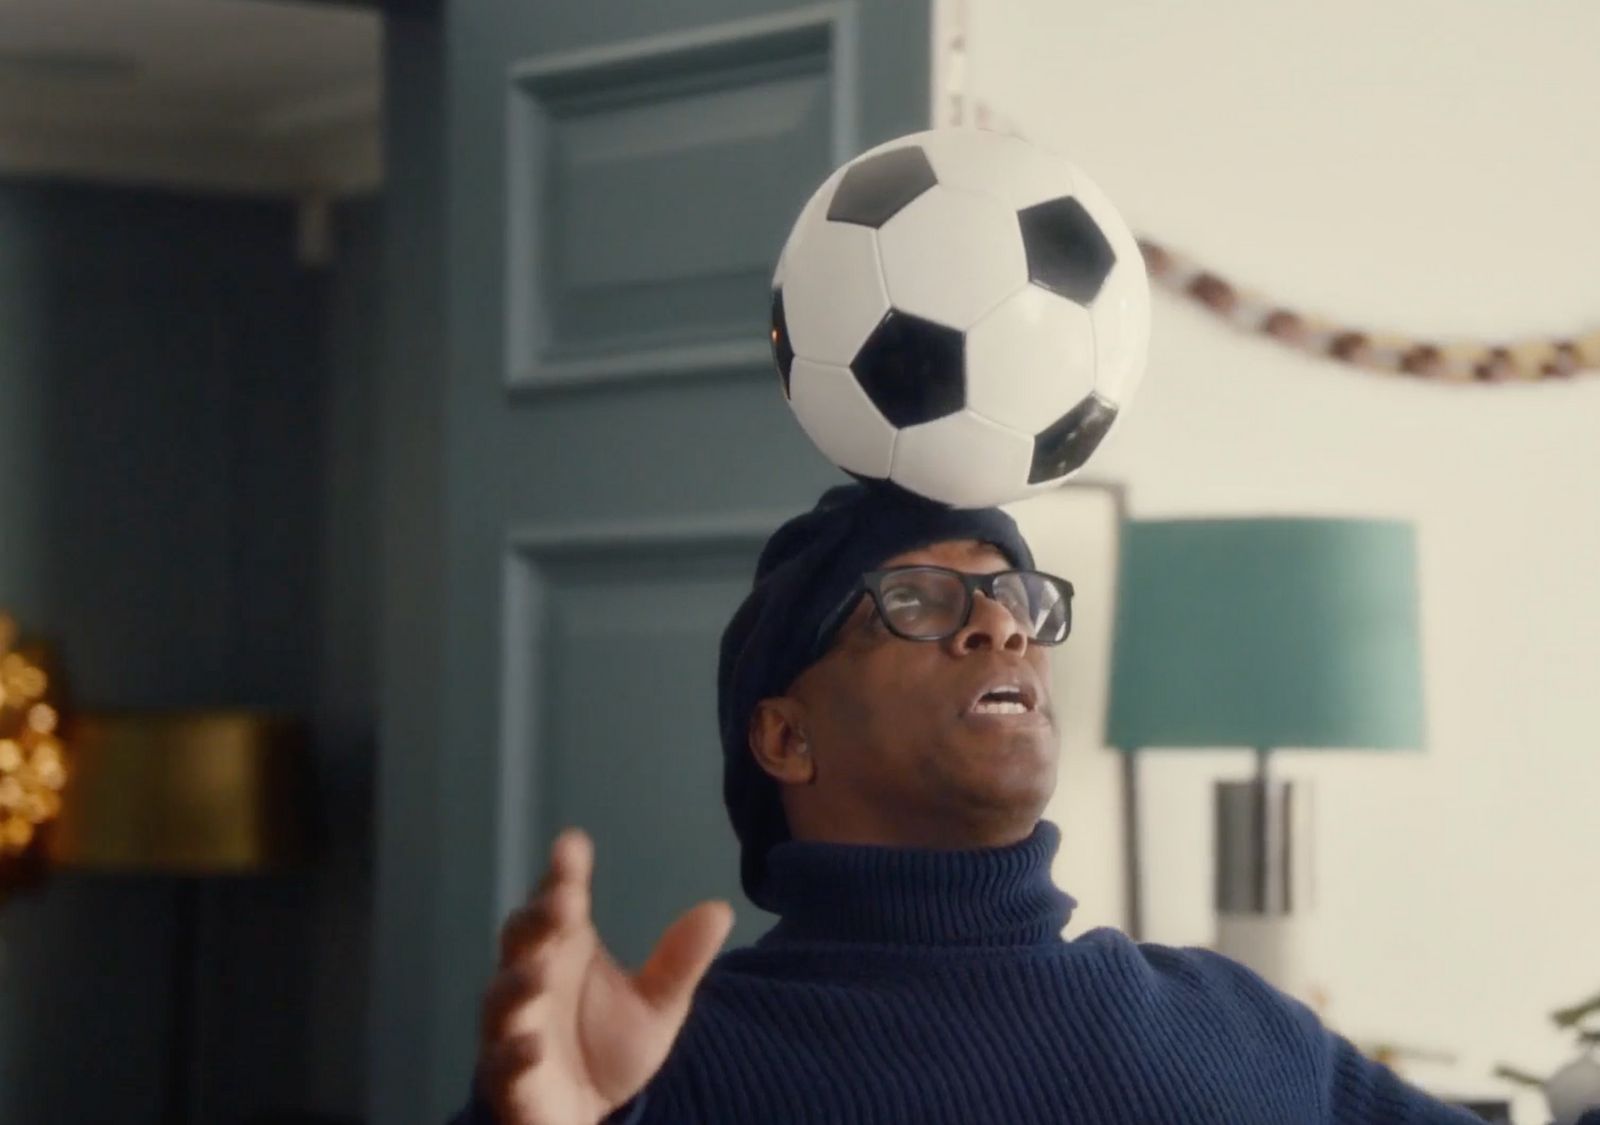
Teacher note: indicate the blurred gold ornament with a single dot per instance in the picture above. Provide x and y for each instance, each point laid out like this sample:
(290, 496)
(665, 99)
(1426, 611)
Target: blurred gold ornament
(33, 766)
(17, 834)
(42, 718)
(48, 766)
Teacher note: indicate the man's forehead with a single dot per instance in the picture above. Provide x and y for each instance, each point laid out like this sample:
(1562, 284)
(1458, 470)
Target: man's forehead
(964, 553)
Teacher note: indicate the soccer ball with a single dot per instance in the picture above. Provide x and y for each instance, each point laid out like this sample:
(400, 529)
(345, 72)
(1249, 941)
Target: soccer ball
(961, 313)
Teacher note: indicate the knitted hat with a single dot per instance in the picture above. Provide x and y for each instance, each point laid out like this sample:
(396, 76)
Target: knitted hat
(807, 568)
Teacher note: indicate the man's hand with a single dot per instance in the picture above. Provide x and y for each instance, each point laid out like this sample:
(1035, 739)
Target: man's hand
(568, 1036)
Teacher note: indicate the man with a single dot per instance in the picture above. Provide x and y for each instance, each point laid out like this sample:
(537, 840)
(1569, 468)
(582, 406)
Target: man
(889, 742)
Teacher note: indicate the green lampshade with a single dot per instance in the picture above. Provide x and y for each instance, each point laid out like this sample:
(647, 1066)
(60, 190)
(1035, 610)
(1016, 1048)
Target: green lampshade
(1267, 633)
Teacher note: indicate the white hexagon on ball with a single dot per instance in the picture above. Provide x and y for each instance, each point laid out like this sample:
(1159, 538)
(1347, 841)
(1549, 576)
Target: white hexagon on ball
(963, 460)
(951, 256)
(996, 164)
(833, 291)
(1121, 311)
(840, 419)
(1031, 360)
(817, 200)
(1121, 316)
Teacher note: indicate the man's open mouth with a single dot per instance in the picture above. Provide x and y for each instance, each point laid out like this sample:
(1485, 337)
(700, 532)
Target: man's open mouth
(1004, 699)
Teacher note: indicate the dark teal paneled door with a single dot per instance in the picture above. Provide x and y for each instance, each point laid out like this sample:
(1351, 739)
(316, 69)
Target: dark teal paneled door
(585, 448)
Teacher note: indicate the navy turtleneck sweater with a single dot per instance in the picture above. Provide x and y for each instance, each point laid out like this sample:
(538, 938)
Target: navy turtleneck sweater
(924, 986)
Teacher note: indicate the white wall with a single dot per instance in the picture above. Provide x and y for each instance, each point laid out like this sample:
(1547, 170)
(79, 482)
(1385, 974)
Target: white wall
(1428, 167)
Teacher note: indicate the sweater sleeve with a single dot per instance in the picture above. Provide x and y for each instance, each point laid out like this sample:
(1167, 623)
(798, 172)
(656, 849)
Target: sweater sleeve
(1356, 1090)
(1364, 1091)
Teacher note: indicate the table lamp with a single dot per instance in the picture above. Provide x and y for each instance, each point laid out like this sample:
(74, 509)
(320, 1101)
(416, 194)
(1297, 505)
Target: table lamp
(1263, 633)
(188, 794)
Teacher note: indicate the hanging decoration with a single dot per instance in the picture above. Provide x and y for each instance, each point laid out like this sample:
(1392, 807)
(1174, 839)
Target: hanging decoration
(1457, 362)
(1441, 361)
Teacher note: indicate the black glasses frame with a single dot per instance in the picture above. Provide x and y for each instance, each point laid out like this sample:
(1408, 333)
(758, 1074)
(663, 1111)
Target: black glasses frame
(871, 583)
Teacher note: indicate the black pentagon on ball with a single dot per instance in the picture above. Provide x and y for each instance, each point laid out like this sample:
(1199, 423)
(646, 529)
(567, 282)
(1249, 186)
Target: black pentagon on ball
(1067, 443)
(912, 369)
(1067, 251)
(875, 190)
(782, 351)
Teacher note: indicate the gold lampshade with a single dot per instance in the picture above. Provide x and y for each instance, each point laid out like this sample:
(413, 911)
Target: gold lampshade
(210, 792)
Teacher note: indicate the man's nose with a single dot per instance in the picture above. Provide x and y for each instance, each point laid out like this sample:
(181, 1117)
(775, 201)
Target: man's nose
(991, 625)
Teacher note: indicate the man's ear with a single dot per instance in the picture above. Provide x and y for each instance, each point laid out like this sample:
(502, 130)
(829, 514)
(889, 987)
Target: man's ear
(778, 740)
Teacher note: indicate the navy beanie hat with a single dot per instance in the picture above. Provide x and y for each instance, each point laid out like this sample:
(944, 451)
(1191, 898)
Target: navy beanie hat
(807, 568)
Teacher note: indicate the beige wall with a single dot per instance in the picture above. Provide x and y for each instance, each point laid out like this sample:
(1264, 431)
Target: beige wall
(1430, 167)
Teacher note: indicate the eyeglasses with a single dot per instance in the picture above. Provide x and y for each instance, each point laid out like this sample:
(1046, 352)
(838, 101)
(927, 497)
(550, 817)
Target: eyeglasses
(931, 603)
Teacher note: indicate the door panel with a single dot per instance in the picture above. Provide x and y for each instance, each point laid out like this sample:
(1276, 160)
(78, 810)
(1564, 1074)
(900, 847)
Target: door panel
(609, 694)
(647, 181)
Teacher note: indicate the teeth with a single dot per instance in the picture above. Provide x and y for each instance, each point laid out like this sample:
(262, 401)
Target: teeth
(1000, 708)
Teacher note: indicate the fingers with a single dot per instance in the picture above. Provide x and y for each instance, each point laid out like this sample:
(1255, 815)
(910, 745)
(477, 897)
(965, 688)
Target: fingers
(560, 904)
(508, 997)
(571, 857)
(681, 957)
(502, 1065)
(529, 927)
(528, 1059)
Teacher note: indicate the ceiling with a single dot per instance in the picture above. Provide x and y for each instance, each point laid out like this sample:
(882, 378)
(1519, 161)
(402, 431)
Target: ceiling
(258, 96)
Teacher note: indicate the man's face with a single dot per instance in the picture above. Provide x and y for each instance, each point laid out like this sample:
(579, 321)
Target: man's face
(891, 728)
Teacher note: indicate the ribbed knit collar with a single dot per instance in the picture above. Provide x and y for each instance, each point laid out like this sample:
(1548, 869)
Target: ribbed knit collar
(918, 896)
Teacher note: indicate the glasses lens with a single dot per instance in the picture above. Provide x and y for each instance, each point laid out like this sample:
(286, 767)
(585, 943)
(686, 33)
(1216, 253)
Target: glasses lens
(1039, 602)
(922, 603)
(931, 603)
